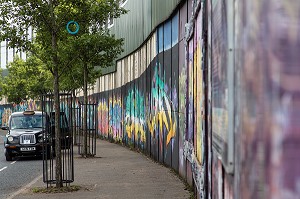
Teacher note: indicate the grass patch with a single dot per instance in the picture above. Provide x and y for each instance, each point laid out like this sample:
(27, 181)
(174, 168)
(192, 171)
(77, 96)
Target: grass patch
(51, 189)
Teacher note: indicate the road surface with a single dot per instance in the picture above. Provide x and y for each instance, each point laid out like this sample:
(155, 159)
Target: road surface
(17, 173)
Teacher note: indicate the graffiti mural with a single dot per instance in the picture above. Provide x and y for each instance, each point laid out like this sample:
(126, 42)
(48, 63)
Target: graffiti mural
(5, 112)
(8, 109)
(135, 120)
(182, 79)
(162, 114)
(199, 99)
(27, 105)
(103, 122)
(115, 122)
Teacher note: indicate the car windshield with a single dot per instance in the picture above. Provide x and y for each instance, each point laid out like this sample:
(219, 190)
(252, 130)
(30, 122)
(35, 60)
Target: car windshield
(26, 121)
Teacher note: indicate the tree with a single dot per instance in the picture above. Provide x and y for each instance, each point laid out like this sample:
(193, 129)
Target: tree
(25, 80)
(94, 47)
(48, 18)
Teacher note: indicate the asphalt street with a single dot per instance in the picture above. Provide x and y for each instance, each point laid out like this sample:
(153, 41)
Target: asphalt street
(18, 173)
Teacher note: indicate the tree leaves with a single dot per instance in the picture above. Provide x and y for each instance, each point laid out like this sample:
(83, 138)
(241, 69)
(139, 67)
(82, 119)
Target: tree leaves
(92, 46)
(26, 79)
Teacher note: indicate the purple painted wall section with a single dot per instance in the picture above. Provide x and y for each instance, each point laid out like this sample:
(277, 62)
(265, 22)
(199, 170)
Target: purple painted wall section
(269, 64)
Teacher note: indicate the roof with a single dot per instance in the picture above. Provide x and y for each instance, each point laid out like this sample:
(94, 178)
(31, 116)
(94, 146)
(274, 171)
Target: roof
(28, 113)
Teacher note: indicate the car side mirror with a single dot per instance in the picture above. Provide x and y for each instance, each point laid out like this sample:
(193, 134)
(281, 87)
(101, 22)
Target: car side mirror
(4, 127)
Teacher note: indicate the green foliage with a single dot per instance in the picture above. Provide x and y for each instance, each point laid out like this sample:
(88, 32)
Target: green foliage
(93, 45)
(26, 79)
(97, 49)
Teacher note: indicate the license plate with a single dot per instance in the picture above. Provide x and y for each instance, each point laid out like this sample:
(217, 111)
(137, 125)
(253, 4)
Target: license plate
(27, 149)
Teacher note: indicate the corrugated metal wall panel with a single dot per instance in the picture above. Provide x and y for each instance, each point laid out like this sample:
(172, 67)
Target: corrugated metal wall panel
(129, 26)
(135, 26)
(142, 13)
(118, 75)
(161, 10)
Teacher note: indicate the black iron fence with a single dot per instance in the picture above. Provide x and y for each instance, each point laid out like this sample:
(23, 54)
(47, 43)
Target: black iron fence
(88, 134)
(76, 124)
(52, 156)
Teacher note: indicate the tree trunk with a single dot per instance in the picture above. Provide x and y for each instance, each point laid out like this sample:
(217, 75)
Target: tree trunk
(85, 102)
(58, 168)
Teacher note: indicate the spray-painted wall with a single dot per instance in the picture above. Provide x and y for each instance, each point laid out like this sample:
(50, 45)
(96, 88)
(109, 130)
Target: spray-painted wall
(7, 109)
(268, 72)
(155, 102)
(214, 93)
(143, 112)
(255, 120)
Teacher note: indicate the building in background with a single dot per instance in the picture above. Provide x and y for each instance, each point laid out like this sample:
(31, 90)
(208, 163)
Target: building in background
(7, 54)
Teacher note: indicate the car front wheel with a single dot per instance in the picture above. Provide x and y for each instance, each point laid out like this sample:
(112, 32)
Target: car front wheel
(8, 157)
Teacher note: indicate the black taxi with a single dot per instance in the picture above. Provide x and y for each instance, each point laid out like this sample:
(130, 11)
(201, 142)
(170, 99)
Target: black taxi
(26, 134)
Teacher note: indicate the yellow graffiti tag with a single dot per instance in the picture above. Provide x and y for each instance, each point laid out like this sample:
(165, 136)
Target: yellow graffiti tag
(151, 125)
(136, 128)
(161, 119)
(102, 107)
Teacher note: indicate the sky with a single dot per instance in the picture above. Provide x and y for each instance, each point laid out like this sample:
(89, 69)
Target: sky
(6, 55)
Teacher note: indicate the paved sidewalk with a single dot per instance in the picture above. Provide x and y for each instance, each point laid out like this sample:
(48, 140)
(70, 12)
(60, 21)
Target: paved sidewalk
(116, 172)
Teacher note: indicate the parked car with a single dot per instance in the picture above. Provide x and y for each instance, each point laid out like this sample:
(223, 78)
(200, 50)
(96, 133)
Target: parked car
(65, 131)
(28, 131)
(26, 134)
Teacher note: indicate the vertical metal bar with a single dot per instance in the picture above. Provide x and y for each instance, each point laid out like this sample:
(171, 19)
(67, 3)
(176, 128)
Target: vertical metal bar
(44, 164)
(62, 121)
(80, 128)
(88, 128)
(71, 147)
(96, 126)
(93, 123)
(93, 128)
(68, 155)
(51, 180)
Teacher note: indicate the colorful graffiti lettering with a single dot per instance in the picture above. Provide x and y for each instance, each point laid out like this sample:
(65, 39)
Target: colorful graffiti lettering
(7, 110)
(135, 116)
(162, 112)
(103, 118)
(115, 121)
(137, 129)
(5, 113)
(27, 105)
